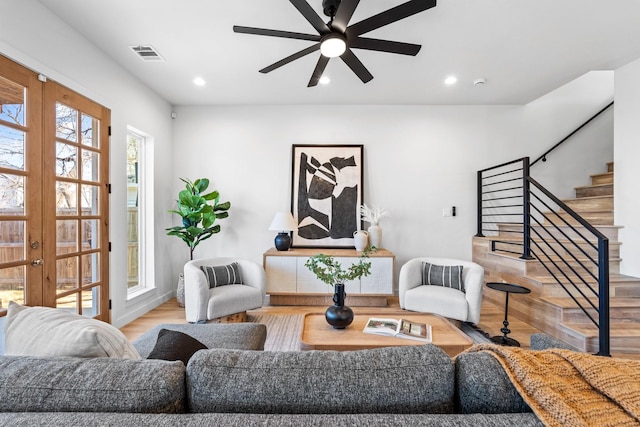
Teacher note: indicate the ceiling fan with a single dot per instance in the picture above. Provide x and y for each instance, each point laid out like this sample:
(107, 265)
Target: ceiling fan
(337, 38)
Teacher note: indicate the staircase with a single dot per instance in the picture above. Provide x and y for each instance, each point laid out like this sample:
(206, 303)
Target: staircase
(548, 307)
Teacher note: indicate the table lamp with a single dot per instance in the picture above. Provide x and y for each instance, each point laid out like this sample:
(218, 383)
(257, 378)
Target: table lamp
(284, 223)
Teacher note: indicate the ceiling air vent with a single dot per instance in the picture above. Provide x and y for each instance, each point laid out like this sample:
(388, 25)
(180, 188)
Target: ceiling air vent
(147, 53)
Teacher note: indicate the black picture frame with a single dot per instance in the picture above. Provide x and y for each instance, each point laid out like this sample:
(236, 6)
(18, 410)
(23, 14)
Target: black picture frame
(326, 194)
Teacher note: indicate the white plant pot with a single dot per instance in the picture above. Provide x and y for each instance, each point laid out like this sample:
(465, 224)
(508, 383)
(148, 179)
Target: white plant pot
(375, 236)
(180, 290)
(360, 240)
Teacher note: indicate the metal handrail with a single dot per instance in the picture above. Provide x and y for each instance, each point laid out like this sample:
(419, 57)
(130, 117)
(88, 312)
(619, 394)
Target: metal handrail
(544, 155)
(493, 212)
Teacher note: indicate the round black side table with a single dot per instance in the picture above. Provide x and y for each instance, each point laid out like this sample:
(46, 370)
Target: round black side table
(507, 288)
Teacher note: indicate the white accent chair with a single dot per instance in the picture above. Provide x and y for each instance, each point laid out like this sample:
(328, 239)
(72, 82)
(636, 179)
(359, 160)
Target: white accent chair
(203, 303)
(447, 302)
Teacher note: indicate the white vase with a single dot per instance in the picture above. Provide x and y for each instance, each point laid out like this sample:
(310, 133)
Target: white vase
(360, 240)
(180, 290)
(375, 236)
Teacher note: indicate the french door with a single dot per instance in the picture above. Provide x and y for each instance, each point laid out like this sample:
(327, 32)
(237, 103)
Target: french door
(54, 151)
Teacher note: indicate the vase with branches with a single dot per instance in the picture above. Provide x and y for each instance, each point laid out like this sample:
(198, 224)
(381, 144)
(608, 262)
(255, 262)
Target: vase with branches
(330, 271)
(373, 215)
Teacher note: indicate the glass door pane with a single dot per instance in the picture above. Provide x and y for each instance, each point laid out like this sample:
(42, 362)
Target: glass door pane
(13, 180)
(79, 205)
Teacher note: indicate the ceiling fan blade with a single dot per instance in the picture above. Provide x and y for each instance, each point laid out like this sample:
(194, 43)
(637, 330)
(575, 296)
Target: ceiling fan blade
(385, 46)
(343, 15)
(311, 16)
(290, 58)
(319, 70)
(356, 66)
(275, 33)
(389, 16)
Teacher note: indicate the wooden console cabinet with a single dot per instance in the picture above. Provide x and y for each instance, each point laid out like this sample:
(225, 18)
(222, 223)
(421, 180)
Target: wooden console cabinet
(289, 282)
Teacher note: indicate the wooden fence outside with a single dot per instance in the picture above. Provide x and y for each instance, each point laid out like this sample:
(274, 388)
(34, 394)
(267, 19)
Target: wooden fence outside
(12, 249)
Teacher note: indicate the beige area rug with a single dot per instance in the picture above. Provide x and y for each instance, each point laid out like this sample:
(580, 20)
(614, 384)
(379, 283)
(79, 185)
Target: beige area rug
(283, 330)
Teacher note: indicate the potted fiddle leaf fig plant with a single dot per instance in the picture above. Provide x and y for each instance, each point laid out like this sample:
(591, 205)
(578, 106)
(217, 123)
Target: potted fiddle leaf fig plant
(198, 216)
(328, 270)
(198, 219)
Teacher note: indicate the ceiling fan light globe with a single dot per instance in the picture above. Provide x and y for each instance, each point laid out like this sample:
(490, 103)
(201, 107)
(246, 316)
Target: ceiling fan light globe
(333, 46)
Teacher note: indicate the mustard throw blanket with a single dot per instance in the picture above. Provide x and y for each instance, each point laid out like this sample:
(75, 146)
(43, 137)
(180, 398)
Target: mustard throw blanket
(566, 388)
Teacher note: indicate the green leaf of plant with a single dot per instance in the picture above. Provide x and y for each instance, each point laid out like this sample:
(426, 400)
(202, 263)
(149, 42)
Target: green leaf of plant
(184, 196)
(201, 185)
(211, 196)
(223, 206)
(195, 201)
(206, 236)
(208, 220)
(195, 231)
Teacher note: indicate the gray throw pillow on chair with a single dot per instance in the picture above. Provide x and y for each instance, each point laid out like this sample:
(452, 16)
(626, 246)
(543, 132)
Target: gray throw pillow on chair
(449, 276)
(223, 275)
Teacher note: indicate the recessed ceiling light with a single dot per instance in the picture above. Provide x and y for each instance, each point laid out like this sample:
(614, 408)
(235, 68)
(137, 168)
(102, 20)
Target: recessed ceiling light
(199, 81)
(324, 80)
(451, 80)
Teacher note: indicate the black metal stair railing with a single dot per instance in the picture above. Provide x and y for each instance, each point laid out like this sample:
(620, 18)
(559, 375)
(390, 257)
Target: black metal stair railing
(521, 217)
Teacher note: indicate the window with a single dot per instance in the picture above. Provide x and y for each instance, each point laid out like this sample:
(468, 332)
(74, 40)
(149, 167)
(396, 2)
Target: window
(139, 216)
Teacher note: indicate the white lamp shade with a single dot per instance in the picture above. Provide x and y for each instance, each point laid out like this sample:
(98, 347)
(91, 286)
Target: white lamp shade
(283, 221)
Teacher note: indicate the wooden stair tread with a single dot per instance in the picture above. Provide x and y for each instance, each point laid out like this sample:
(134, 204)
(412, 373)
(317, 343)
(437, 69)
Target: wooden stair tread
(567, 302)
(589, 198)
(591, 211)
(613, 278)
(553, 257)
(511, 238)
(593, 186)
(606, 226)
(628, 329)
(604, 174)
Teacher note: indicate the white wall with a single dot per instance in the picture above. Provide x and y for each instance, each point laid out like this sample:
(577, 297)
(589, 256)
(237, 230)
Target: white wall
(627, 173)
(417, 160)
(33, 36)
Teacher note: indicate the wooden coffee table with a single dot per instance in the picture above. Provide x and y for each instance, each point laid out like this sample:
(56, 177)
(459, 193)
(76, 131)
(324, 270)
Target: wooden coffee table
(317, 334)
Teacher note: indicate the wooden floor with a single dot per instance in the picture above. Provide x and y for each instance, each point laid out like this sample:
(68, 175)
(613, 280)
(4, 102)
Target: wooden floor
(170, 312)
(490, 320)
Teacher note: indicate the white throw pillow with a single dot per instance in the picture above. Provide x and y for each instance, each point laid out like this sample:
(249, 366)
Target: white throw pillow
(51, 332)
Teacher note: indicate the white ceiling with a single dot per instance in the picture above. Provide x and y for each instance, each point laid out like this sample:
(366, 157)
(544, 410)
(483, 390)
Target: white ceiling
(523, 48)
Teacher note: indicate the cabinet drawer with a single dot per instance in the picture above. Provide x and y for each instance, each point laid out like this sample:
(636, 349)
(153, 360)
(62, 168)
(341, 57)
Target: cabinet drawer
(281, 274)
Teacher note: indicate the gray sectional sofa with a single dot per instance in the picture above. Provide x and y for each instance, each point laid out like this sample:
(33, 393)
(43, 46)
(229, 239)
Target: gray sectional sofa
(224, 386)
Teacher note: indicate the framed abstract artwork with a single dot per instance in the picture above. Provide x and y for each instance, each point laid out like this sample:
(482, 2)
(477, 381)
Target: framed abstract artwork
(326, 195)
